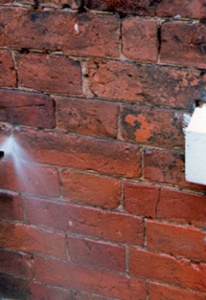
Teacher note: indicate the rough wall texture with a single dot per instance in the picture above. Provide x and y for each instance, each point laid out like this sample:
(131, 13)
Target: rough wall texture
(100, 90)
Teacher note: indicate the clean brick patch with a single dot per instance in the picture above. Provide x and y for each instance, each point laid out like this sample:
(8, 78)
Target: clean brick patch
(54, 74)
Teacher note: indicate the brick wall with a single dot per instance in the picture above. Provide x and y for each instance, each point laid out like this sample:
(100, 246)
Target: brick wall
(100, 90)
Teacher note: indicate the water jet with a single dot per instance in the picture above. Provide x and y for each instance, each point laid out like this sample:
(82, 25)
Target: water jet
(30, 177)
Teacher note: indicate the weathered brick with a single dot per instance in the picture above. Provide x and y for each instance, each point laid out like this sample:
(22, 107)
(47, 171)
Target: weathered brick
(176, 240)
(141, 198)
(162, 292)
(97, 253)
(27, 238)
(89, 262)
(91, 189)
(183, 44)
(85, 153)
(107, 225)
(43, 213)
(6, 1)
(163, 8)
(11, 206)
(167, 269)
(164, 166)
(168, 167)
(16, 263)
(129, 6)
(165, 203)
(41, 291)
(186, 9)
(77, 34)
(105, 283)
(7, 70)
(29, 109)
(154, 84)
(29, 178)
(152, 126)
(90, 117)
(183, 207)
(139, 39)
(49, 73)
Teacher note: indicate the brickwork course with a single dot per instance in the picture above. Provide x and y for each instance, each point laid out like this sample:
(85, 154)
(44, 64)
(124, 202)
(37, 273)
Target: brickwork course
(100, 90)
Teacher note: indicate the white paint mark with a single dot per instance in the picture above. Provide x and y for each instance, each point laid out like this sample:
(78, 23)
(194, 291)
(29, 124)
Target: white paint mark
(177, 17)
(70, 223)
(76, 27)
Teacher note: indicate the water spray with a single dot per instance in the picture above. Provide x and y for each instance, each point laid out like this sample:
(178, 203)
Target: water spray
(27, 171)
(9, 146)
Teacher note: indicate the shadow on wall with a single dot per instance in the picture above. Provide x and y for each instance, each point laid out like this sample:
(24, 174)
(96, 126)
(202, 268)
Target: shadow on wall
(10, 287)
(13, 288)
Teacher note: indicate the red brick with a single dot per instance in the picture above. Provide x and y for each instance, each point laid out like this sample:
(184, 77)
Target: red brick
(184, 44)
(187, 9)
(163, 292)
(11, 206)
(30, 178)
(16, 263)
(81, 152)
(164, 8)
(154, 84)
(167, 269)
(183, 207)
(139, 38)
(164, 166)
(21, 237)
(7, 70)
(107, 225)
(176, 240)
(49, 73)
(13, 288)
(105, 283)
(97, 253)
(90, 117)
(30, 109)
(141, 198)
(152, 126)
(91, 189)
(122, 6)
(6, 1)
(46, 213)
(93, 35)
(168, 167)
(41, 292)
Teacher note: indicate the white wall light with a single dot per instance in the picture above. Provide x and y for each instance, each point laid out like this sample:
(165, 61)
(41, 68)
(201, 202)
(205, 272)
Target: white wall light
(195, 147)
